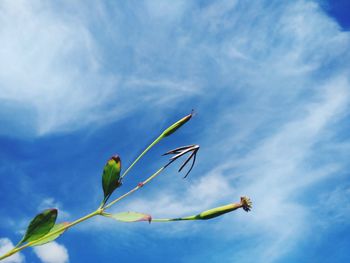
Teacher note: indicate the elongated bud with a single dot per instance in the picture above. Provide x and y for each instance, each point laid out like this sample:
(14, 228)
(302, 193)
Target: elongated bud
(176, 125)
(245, 203)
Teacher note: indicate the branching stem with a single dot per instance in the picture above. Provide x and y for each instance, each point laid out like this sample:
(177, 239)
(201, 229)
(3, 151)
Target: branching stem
(17, 249)
(99, 211)
(135, 188)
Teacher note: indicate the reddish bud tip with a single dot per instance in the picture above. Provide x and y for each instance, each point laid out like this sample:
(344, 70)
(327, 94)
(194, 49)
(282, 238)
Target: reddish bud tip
(177, 125)
(149, 218)
(115, 158)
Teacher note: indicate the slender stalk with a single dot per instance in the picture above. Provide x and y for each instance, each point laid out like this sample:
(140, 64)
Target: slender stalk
(102, 205)
(212, 213)
(142, 154)
(174, 219)
(135, 188)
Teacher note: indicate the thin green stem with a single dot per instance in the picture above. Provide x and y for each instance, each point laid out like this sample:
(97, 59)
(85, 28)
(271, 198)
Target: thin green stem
(101, 209)
(212, 213)
(135, 188)
(102, 205)
(142, 154)
(97, 212)
(174, 219)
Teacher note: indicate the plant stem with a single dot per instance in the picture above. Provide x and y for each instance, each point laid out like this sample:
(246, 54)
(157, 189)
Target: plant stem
(205, 215)
(134, 162)
(135, 188)
(95, 213)
(173, 219)
(171, 129)
(142, 154)
(17, 249)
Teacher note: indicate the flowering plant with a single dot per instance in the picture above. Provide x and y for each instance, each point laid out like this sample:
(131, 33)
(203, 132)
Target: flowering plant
(43, 227)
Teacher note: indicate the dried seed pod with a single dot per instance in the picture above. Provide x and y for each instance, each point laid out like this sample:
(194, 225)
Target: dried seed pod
(180, 151)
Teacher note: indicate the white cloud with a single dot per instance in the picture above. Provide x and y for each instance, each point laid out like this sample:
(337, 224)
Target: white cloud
(52, 75)
(48, 70)
(280, 170)
(5, 246)
(55, 75)
(52, 253)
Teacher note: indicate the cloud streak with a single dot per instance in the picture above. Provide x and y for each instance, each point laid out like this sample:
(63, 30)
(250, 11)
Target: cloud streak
(52, 74)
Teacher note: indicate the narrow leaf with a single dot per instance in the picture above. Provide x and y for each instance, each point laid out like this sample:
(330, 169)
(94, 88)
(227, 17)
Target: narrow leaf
(40, 225)
(130, 217)
(111, 176)
(46, 239)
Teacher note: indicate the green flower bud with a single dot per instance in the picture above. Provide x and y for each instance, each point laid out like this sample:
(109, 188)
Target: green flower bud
(111, 176)
(245, 203)
(176, 125)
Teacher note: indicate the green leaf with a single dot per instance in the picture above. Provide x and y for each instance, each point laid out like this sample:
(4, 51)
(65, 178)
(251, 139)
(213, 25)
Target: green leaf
(45, 239)
(130, 217)
(40, 225)
(111, 176)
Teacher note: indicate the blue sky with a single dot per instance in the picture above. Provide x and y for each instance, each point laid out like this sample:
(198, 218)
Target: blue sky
(269, 80)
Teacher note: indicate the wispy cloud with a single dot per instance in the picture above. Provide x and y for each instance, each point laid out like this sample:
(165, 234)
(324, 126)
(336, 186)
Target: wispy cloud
(49, 70)
(69, 82)
(53, 75)
(282, 169)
